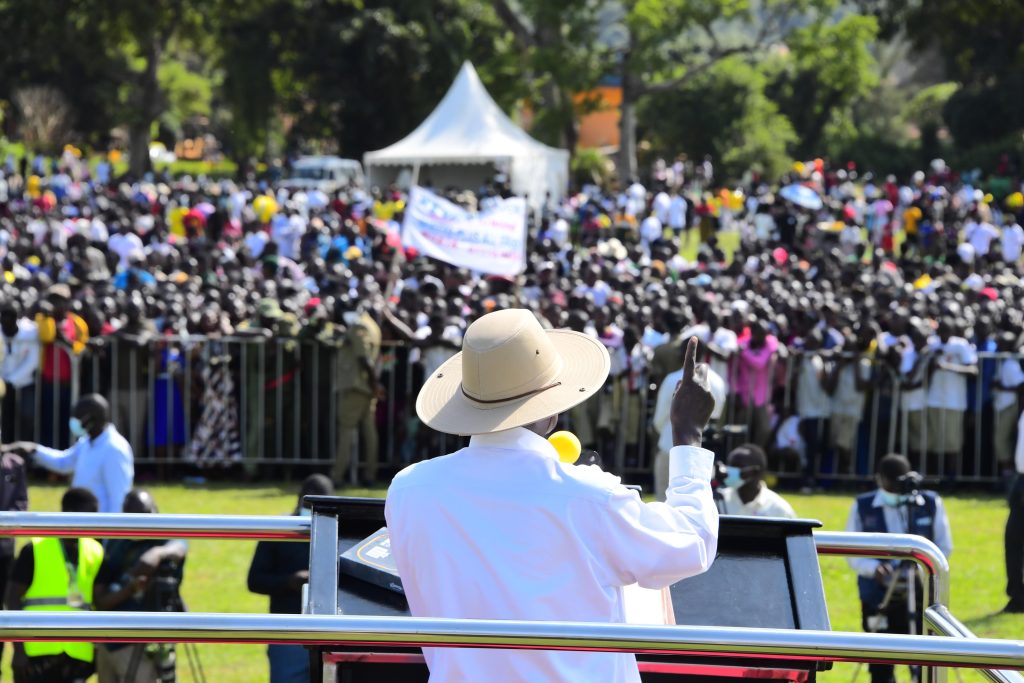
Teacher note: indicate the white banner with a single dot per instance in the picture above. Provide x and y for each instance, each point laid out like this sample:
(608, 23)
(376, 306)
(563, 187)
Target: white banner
(492, 241)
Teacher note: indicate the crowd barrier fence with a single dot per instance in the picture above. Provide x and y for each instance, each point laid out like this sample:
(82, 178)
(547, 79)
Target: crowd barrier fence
(277, 402)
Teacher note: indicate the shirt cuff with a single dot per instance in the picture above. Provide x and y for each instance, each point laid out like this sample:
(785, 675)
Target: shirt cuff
(690, 461)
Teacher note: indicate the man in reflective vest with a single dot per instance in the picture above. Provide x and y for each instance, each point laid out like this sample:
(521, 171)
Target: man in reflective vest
(898, 506)
(55, 574)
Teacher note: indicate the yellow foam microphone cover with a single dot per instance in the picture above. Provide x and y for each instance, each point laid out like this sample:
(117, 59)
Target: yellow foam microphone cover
(567, 445)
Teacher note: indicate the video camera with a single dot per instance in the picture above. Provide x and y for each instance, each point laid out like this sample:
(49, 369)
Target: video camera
(910, 484)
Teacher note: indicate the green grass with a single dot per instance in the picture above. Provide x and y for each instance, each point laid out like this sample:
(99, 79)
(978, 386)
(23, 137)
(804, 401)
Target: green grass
(216, 570)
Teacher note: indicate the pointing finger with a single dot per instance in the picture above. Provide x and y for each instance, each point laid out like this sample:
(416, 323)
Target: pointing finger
(689, 360)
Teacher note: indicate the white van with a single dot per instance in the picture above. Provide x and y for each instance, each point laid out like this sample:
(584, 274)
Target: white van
(325, 173)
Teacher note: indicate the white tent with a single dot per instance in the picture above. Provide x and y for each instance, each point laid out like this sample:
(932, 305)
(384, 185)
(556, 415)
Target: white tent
(465, 141)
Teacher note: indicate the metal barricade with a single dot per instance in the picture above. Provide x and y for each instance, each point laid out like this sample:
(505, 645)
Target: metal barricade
(998, 659)
(283, 402)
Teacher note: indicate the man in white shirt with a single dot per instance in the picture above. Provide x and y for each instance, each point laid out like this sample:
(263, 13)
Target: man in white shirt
(124, 243)
(20, 362)
(650, 232)
(955, 360)
(980, 235)
(677, 213)
(100, 460)
(1012, 241)
(895, 510)
(745, 492)
(661, 205)
(504, 530)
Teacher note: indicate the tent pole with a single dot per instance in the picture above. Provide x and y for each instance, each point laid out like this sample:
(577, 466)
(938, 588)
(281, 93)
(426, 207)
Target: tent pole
(415, 175)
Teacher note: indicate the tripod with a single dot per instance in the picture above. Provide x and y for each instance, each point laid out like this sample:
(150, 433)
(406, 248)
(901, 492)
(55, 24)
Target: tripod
(163, 596)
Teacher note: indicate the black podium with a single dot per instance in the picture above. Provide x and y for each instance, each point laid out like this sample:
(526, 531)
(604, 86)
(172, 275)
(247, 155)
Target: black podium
(766, 575)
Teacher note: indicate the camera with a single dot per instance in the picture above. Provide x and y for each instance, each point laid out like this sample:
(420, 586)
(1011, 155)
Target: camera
(164, 591)
(910, 484)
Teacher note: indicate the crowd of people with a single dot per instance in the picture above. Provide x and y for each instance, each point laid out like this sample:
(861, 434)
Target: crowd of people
(209, 312)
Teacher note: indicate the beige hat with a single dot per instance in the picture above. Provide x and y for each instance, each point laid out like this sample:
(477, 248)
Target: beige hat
(510, 373)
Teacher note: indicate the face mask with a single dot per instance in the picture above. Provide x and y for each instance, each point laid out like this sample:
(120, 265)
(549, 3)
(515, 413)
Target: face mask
(733, 478)
(76, 427)
(305, 512)
(891, 499)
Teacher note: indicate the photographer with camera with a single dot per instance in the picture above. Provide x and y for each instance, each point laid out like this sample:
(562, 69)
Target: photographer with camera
(139, 576)
(898, 506)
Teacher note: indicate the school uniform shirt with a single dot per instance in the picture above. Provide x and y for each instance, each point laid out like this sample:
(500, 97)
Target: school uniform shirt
(948, 389)
(504, 530)
(21, 355)
(896, 523)
(766, 503)
(812, 401)
(1010, 375)
(104, 465)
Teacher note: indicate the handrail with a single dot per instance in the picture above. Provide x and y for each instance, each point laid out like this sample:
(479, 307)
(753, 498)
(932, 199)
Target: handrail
(126, 525)
(942, 621)
(746, 643)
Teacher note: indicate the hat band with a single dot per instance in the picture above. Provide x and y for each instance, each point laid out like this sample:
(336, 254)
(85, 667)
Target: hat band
(509, 398)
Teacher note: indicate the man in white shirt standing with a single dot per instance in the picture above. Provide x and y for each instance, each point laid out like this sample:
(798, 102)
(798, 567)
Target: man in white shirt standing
(100, 460)
(954, 361)
(20, 362)
(1012, 241)
(745, 492)
(677, 213)
(504, 530)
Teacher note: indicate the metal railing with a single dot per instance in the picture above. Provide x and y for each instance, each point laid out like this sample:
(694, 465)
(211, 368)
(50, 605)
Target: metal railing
(959, 648)
(262, 402)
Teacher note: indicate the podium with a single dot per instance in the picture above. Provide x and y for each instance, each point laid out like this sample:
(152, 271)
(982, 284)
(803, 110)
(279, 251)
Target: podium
(766, 575)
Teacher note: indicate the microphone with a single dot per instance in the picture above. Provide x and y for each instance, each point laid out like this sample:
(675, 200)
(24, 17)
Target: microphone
(567, 445)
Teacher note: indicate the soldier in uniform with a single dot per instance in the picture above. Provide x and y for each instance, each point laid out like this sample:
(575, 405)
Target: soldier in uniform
(358, 388)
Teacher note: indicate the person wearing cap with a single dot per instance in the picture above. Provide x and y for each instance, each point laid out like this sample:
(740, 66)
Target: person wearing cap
(358, 386)
(270, 380)
(744, 491)
(503, 529)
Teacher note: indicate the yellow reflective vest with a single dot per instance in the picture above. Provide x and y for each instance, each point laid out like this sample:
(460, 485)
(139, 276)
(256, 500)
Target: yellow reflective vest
(53, 590)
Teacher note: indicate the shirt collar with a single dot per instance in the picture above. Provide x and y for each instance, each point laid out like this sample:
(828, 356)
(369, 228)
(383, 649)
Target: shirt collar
(517, 439)
(103, 437)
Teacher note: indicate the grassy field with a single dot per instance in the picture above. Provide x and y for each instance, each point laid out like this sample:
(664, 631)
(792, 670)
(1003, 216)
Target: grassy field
(216, 570)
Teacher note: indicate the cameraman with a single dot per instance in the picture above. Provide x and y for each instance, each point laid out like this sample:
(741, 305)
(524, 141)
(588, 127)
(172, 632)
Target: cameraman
(136, 576)
(899, 506)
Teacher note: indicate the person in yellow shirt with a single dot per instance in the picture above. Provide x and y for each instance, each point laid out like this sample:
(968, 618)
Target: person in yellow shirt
(911, 217)
(55, 575)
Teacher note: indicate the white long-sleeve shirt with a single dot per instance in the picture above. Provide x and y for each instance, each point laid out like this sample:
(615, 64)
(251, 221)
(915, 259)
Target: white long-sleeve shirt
(21, 355)
(896, 523)
(504, 530)
(104, 465)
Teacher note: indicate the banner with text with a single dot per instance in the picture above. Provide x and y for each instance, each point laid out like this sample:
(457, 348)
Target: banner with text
(492, 241)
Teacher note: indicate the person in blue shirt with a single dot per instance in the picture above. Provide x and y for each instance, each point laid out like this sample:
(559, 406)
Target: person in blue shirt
(100, 460)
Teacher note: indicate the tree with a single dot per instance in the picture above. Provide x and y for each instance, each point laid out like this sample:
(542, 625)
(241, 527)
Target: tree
(44, 117)
(562, 57)
(824, 69)
(723, 112)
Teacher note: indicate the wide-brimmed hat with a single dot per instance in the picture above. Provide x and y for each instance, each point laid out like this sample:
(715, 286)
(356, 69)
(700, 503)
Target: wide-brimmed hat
(510, 373)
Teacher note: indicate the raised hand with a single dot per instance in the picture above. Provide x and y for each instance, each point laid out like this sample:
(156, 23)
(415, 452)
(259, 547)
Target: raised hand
(693, 402)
